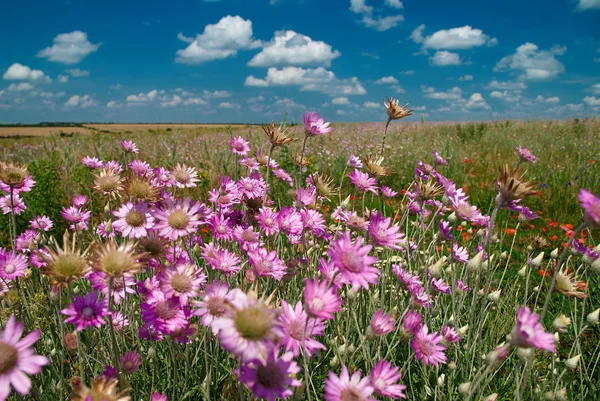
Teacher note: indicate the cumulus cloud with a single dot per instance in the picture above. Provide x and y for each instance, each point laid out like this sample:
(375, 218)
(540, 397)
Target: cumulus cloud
(291, 48)
(444, 58)
(216, 94)
(476, 101)
(228, 105)
(309, 79)
(77, 73)
(69, 48)
(510, 85)
(175, 100)
(143, 97)
(592, 101)
(584, 5)
(461, 38)
(82, 102)
(547, 100)
(20, 87)
(531, 63)
(454, 93)
(595, 89)
(62, 79)
(218, 41)
(195, 101)
(570, 108)
(372, 105)
(20, 72)
(52, 95)
(407, 72)
(378, 22)
(507, 96)
(386, 80)
(466, 78)
(340, 101)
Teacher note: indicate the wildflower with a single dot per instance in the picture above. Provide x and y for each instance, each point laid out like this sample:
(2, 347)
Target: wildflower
(461, 286)
(64, 265)
(526, 155)
(512, 186)
(353, 261)
(273, 378)
(121, 286)
(12, 265)
(450, 335)
(141, 189)
(184, 177)
(459, 253)
(439, 160)
(394, 110)
(324, 185)
(267, 263)
(375, 166)
(182, 281)
(388, 192)
(411, 323)
(267, 220)
(164, 313)
(381, 324)
(594, 317)
(225, 261)
(528, 332)
(381, 233)
(102, 389)
(445, 230)
(239, 146)
(354, 162)
(314, 125)
(494, 296)
(129, 147)
(180, 218)
(42, 223)
(250, 330)
(277, 135)
(298, 330)
(321, 300)
(92, 162)
(568, 285)
(591, 208)
(345, 388)
(108, 182)
(13, 175)
(427, 347)
(363, 182)
(140, 168)
(116, 260)
(130, 362)
(134, 220)
(18, 358)
(384, 380)
(427, 190)
(156, 396)
(406, 278)
(213, 304)
(475, 264)
(419, 296)
(86, 311)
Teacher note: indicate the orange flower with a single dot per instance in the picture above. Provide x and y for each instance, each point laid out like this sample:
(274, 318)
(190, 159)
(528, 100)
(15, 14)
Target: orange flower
(510, 231)
(569, 226)
(467, 161)
(553, 237)
(543, 273)
(552, 224)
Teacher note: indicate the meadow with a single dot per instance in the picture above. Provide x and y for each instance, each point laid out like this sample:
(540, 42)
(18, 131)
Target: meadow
(344, 262)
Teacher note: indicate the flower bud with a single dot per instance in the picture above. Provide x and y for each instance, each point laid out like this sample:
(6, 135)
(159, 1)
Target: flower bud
(334, 362)
(525, 354)
(452, 217)
(573, 362)
(504, 255)
(436, 269)
(491, 397)
(464, 388)
(537, 261)
(594, 317)
(476, 262)
(595, 266)
(494, 296)
(523, 271)
(463, 330)
(554, 253)
(151, 353)
(441, 380)
(561, 323)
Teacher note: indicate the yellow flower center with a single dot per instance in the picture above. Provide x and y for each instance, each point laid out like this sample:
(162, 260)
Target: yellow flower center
(253, 323)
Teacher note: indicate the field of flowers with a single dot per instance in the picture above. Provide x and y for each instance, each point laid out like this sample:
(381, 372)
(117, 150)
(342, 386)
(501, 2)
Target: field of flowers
(345, 262)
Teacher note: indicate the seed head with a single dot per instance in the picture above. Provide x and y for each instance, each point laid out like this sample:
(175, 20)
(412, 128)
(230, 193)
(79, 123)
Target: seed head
(512, 185)
(12, 174)
(277, 135)
(394, 110)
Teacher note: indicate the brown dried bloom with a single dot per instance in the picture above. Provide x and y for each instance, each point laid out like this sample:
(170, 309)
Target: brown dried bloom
(324, 185)
(108, 182)
(540, 243)
(152, 246)
(116, 261)
(569, 285)
(64, 265)
(512, 185)
(394, 110)
(102, 390)
(428, 190)
(12, 174)
(141, 189)
(375, 166)
(277, 136)
(299, 160)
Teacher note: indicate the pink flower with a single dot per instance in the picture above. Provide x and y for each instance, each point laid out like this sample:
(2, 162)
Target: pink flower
(526, 155)
(86, 311)
(164, 313)
(363, 182)
(267, 263)
(439, 160)
(178, 219)
(440, 286)
(18, 358)
(267, 220)
(273, 378)
(156, 396)
(450, 335)
(130, 362)
(182, 281)
(411, 322)
(129, 146)
(92, 162)
(314, 125)
(528, 332)
(239, 146)
(427, 347)
(354, 162)
(320, 299)
(120, 288)
(382, 234)
(381, 324)
(388, 192)
(406, 278)
(134, 220)
(353, 261)
(12, 265)
(591, 207)
(213, 305)
(345, 388)
(384, 379)
(298, 329)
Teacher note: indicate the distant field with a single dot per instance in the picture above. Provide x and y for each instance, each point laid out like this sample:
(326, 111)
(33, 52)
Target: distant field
(120, 128)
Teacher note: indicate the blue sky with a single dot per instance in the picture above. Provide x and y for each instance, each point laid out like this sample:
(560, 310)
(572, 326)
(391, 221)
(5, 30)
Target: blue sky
(253, 60)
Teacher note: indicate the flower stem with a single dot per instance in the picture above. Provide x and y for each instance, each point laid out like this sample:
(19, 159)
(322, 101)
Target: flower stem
(384, 136)
(301, 160)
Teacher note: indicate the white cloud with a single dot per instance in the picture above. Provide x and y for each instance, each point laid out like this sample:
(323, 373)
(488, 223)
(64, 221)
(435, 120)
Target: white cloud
(216, 94)
(228, 105)
(510, 85)
(476, 101)
(466, 78)
(175, 100)
(386, 80)
(595, 89)
(372, 105)
(570, 108)
(407, 72)
(588, 5)
(76, 72)
(340, 101)
(52, 95)
(256, 99)
(291, 48)
(507, 96)
(196, 101)
(19, 72)
(464, 37)
(218, 41)
(69, 48)
(113, 104)
(116, 87)
(398, 89)
(547, 100)
(20, 87)
(82, 102)
(444, 58)
(533, 64)
(419, 108)
(309, 79)
(394, 4)
(592, 101)
(143, 97)
(452, 94)
(340, 112)
(377, 22)
(62, 79)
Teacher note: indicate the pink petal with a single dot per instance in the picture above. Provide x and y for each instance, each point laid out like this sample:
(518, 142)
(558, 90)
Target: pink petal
(29, 340)
(20, 382)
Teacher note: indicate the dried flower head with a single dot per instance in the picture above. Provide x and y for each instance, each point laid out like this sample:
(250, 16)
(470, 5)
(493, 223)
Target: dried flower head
(540, 243)
(512, 184)
(108, 182)
(116, 260)
(102, 389)
(394, 110)
(277, 135)
(141, 189)
(324, 185)
(375, 166)
(152, 246)
(428, 190)
(567, 284)
(64, 265)
(13, 174)
(299, 160)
